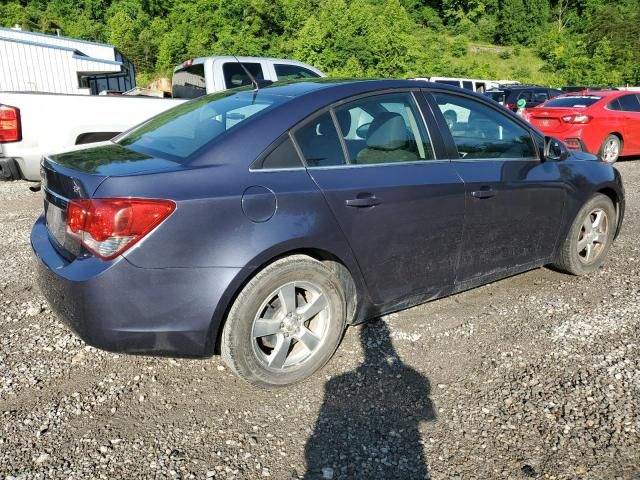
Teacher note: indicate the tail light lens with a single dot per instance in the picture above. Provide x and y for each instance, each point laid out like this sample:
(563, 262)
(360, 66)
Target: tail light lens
(108, 227)
(576, 118)
(10, 128)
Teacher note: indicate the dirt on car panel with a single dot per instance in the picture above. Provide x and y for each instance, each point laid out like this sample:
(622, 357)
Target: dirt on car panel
(529, 377)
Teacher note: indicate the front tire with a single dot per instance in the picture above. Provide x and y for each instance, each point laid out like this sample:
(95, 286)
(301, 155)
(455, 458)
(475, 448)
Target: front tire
(285, 324)
(610, 149)
(590, 237)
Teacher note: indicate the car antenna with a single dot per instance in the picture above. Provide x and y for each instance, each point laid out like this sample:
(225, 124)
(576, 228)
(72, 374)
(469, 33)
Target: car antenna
(254, 82)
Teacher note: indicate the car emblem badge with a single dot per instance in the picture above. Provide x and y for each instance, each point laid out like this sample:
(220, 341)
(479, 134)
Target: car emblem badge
(76, 188)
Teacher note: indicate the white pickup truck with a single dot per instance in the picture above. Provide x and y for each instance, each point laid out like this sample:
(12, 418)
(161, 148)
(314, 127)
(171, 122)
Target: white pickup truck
(37, 124)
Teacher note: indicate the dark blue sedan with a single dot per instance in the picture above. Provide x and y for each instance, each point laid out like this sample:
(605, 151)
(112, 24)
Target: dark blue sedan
(258, 224)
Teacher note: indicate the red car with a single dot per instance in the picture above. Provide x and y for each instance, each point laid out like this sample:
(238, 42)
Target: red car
(605, 122)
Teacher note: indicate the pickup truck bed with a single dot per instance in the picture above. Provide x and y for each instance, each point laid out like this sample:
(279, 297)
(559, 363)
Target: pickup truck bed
(51, 123)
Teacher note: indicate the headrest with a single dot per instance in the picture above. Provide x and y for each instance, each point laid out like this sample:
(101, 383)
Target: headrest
(387, 132)
(344, 120)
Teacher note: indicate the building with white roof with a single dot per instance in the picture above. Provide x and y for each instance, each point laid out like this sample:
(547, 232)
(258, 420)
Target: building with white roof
(36, 62)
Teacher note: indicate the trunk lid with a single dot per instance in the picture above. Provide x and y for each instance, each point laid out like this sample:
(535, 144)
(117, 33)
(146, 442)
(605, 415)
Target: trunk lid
(549, 120)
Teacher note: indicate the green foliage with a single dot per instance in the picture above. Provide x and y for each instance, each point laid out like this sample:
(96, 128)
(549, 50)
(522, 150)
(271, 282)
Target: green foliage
(576, 41)
(459, 46)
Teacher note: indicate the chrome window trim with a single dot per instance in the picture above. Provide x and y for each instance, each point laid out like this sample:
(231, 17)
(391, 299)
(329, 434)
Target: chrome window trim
(331, 109)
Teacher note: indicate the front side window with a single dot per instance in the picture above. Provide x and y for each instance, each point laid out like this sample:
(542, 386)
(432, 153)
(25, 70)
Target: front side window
(384, 129)
(179, 132)
(481, 132)
(235, 76)
(629, 103)
(189, 82)
(286, 72)
(540, 97)
(526, 95)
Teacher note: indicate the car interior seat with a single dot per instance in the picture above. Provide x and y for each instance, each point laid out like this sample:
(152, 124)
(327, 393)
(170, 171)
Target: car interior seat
(388, 140)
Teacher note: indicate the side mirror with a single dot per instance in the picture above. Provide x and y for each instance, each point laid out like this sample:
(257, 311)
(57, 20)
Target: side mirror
(555, 150)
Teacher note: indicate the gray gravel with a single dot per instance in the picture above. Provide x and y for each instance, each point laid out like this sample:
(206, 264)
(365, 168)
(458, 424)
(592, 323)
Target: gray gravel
(537, 376)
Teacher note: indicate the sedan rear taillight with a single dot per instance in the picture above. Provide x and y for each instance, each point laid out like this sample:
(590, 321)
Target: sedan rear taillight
(577, 118)
(109, 226)
(10, 125)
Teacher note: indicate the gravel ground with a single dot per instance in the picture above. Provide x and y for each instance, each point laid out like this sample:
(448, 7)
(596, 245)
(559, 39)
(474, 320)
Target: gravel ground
(536, 376)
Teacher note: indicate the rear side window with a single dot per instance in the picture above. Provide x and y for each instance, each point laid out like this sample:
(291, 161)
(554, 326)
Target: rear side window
(319, 142)
(572, 101)
(614, 105)
(293, 72)
(480, 132)
(179, 132)
(189, 82)
(283, 156)
(467, 85)
(629, 103)
(235, 76)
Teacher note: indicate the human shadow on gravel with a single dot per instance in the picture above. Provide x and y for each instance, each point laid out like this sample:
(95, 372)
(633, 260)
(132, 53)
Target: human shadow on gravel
(368, 424)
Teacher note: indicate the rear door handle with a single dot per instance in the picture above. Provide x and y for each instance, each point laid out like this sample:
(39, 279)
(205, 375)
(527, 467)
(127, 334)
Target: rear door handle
(484, 193)
(363, 200)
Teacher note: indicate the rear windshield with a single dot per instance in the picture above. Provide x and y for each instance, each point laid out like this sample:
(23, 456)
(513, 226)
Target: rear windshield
(179, 132)
(574, 101)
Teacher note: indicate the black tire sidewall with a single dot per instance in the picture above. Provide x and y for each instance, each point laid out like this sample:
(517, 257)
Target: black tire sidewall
(597, 201)
(237, 333)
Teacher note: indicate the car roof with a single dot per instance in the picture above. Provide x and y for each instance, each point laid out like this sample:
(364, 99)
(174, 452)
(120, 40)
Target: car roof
(296, 88)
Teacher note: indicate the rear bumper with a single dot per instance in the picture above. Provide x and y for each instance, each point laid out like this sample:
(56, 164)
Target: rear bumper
(118, 307)
(9, 169)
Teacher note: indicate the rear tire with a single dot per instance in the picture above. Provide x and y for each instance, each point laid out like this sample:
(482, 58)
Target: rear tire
(610, 149)
(590, 237)
(285, 324)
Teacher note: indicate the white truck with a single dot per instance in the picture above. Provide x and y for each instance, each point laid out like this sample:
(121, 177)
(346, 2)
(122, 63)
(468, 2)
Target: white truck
(37, 124)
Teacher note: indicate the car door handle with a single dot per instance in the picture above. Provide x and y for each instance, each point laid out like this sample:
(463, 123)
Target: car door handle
(484, 193)
(363, 201)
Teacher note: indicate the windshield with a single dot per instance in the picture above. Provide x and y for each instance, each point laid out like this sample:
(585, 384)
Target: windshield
(573, 101)
(179, 132)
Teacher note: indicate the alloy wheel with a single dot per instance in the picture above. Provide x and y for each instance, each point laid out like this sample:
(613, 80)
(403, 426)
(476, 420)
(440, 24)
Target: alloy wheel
(611, 150)
(593, 236)
(290, 326)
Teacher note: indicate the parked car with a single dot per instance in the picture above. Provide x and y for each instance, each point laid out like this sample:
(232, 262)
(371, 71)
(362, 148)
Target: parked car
(473, 84)
(258, 224)
(605, 122)
(584, 89)
(35, 124)
(508, 96)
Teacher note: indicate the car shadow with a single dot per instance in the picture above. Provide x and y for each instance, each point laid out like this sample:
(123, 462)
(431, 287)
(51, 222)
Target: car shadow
(368, 424)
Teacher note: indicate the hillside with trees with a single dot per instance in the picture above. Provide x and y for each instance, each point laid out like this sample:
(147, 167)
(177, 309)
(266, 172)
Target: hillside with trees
(554, 42)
